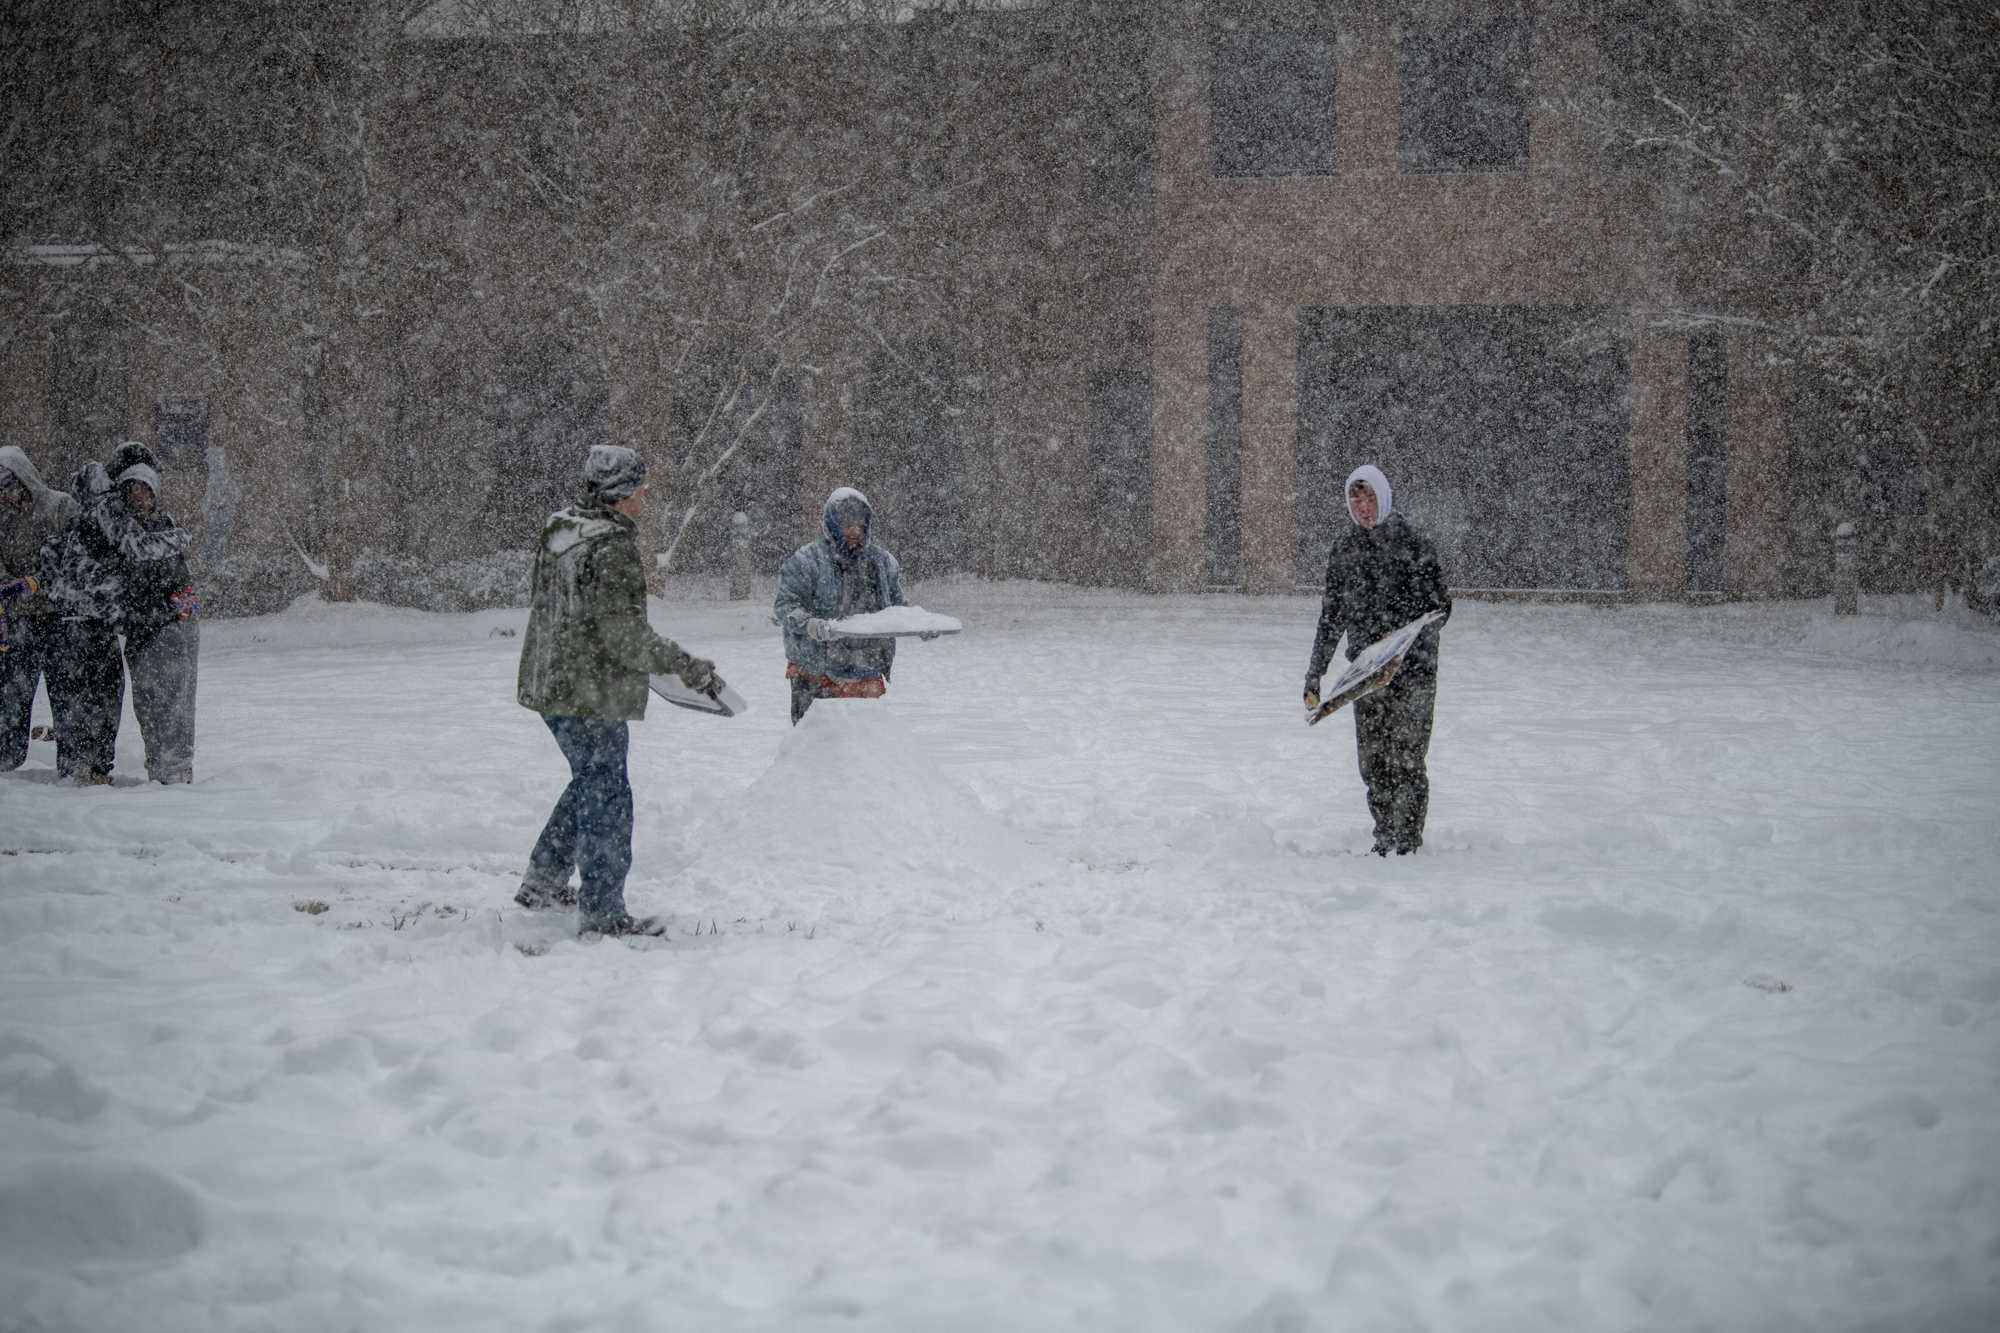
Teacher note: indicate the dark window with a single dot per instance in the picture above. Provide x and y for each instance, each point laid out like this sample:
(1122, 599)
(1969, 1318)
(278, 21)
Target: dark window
(1707, 459)
(1121, 406)
(1223, 512)
(1503, 431)
(1464, 97)
(1270, 110)
(1892, 477)
(180, 432)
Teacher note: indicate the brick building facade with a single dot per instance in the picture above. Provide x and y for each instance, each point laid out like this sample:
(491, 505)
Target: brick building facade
(1177, 268)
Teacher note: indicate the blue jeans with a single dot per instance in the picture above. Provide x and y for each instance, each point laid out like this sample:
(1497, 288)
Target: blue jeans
(591, 828)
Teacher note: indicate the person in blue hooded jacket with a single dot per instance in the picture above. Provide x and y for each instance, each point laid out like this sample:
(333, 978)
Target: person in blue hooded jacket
(842, 574)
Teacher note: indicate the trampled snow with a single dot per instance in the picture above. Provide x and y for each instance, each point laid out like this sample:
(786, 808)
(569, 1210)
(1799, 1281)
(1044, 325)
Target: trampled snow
(1053, 991)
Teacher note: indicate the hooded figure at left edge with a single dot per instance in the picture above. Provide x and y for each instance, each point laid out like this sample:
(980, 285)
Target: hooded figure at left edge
(30, 514)
(584, 661)
(119, 568)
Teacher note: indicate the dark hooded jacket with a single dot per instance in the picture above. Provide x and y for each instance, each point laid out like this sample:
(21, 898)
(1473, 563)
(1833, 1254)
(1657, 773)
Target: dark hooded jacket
(112, 567)
(48, 514)
(1378, 580)
(823, 580)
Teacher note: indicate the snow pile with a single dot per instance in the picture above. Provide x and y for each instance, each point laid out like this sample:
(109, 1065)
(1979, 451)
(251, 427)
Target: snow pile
(851, 804)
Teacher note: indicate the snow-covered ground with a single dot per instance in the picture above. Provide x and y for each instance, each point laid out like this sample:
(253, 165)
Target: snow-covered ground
(1052, 992)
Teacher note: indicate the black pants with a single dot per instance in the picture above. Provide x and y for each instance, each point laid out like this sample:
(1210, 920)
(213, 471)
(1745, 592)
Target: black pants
(30, 656)
(804, 691)
(87, 694)
(1392, 734)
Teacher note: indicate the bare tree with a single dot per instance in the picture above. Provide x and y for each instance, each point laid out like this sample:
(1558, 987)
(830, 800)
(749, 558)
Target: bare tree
(1857, 146)
(755, 257)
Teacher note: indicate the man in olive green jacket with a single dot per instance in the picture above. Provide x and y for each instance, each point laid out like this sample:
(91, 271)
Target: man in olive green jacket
(584, 662)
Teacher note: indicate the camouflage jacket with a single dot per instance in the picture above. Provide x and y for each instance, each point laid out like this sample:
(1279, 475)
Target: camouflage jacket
(109, 566)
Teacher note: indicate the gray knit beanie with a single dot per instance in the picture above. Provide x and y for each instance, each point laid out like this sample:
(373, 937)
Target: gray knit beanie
(613, 472)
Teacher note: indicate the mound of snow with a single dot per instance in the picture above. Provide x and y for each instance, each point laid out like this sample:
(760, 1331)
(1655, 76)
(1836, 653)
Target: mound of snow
(75, 1213)
(853, 799)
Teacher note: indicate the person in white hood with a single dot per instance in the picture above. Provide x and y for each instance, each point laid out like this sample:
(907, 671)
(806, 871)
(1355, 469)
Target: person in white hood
(30, 513)
(1380, 575)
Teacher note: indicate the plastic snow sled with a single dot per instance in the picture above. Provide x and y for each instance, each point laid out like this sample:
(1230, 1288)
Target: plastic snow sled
(718, 699)
(1362, 675)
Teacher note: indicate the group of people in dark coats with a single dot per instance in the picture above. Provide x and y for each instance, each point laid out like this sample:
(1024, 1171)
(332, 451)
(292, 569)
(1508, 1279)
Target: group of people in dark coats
(112, 596)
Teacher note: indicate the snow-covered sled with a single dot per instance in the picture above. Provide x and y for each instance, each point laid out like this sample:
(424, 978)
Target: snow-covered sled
(894, 622)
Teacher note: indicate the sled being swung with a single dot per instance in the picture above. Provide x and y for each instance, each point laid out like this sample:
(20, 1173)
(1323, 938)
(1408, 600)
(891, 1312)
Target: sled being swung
(1372, 668)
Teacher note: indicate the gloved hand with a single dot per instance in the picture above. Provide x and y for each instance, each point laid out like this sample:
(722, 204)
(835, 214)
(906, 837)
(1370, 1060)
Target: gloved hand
(697, 673)
(16, 590)
(1312, 698)
(817, 629)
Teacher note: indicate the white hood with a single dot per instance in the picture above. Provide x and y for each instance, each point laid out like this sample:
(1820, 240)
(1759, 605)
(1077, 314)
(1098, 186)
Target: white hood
(52, 507)
(1377, 483)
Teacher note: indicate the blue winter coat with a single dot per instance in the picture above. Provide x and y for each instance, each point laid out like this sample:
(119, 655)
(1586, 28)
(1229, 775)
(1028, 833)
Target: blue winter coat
(814, 583)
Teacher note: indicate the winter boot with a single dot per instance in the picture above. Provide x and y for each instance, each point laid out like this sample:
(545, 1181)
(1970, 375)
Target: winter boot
(625, 925)
(538, 899)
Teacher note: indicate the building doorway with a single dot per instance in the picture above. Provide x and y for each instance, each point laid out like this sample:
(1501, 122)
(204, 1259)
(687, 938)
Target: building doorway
(1503, 430)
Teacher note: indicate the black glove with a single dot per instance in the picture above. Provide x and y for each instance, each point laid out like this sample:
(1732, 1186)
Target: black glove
(697, 673)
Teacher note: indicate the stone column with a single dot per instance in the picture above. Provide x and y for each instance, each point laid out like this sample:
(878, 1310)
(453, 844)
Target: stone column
(1754, 557)
(1270, 445)
(1365, 107)
(1180, 440)
(1559, 64)
(1656, 554)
